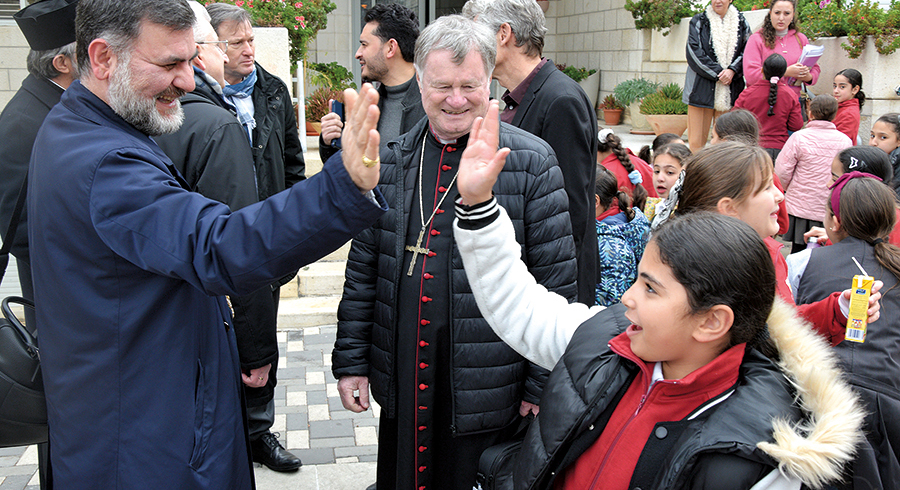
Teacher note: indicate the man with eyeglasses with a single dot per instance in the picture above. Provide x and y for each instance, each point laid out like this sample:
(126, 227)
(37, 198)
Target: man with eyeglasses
(209, 149)
(265, 110)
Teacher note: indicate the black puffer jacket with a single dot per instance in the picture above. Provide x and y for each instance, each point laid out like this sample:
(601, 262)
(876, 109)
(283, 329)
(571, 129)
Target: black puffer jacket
(703, 66)
(276, 142)
(530, 187)
(716, 447)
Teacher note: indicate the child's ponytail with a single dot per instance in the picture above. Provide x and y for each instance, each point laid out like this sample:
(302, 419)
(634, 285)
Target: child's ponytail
(614, 143)
(606, 188)
(773, 69)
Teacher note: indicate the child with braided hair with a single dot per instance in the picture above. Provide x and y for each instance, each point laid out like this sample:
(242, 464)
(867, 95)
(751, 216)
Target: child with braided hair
(775, 106)
(622, 233)
(631, 172)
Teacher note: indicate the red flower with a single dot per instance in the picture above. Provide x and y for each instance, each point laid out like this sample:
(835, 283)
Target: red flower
(239, 3)
(298, 4)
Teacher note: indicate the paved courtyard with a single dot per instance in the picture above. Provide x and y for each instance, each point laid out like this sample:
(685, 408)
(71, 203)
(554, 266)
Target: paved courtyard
(338, 447)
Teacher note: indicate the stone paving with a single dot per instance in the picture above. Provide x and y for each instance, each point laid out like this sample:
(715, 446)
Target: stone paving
(337, 447)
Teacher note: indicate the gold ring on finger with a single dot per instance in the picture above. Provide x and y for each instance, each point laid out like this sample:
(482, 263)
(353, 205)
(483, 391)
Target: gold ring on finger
(368, 162)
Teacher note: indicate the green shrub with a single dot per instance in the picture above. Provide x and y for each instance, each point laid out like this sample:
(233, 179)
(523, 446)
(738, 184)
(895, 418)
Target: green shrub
(331, 75)
(633, 90)
(671, 91)
(661, 14)
(658, 103)
(577, 74)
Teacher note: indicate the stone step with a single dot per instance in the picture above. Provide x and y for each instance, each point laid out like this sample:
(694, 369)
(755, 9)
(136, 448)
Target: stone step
(308, 311)
(321, 279)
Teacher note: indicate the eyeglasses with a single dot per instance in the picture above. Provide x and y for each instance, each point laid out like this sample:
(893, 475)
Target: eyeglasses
(222, 45)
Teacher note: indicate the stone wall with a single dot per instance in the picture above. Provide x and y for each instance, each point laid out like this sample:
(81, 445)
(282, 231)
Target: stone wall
(13, 51)
(596, 34)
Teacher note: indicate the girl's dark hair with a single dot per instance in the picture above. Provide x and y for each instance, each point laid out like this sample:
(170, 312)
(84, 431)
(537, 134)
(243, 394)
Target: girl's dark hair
(774, 66)
(606, 187)
(731, 169)
(738, 125)
(855, 79)
(662, 140)
(868, 159)
(677, 151)
(721, 260)
(823, 107)
(892, 119)
(614, 143)
(768, 30)
(869, 212)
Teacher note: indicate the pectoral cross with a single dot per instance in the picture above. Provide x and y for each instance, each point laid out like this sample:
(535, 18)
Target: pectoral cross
(418, 249)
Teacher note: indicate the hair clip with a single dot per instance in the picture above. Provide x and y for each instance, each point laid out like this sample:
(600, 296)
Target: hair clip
(635, 177)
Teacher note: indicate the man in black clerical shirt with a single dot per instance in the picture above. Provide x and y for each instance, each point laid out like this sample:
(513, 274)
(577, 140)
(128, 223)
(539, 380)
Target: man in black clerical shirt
(408, 325)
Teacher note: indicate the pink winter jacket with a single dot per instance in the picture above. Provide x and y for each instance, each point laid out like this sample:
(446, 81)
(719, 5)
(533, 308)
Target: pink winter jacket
(804, 167)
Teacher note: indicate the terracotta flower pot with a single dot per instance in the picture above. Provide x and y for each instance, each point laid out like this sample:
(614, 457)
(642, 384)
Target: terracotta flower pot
(313, 128)
(612, 117)
(668, 123)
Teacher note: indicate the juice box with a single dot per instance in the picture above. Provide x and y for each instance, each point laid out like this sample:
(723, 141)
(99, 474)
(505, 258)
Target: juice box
(859, 303)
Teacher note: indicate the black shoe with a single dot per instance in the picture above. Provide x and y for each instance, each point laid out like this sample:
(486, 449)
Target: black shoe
(268, 451)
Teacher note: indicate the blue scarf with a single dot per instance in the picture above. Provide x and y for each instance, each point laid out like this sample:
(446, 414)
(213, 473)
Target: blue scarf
(242, 90)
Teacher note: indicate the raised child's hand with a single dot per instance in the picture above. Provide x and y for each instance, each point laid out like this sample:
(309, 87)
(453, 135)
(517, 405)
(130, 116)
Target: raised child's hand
(481, 162)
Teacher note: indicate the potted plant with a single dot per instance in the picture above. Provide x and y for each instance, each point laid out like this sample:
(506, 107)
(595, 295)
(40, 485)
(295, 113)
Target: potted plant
(331, 79)
(630, 93)
(332, 75)
(665, 111)
(588, 79)
(317, 106)
(612, 110)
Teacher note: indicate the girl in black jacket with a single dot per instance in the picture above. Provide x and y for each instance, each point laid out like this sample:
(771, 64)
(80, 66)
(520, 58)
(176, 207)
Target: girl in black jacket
(686, 396)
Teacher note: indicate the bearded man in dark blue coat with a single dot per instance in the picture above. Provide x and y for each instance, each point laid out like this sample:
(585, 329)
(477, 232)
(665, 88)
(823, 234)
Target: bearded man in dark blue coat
(137, 347)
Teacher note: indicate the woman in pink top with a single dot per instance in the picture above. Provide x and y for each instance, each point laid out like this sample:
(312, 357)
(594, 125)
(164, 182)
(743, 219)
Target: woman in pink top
(779, 34)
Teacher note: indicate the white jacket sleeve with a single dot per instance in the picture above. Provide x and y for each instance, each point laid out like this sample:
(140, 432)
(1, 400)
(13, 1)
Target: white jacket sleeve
(535, 322)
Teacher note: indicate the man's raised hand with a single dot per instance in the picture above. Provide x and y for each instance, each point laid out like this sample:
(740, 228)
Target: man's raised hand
(360, 138)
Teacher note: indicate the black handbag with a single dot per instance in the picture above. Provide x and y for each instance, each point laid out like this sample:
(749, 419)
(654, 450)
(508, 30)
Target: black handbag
(23, 408)
(495, 466)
